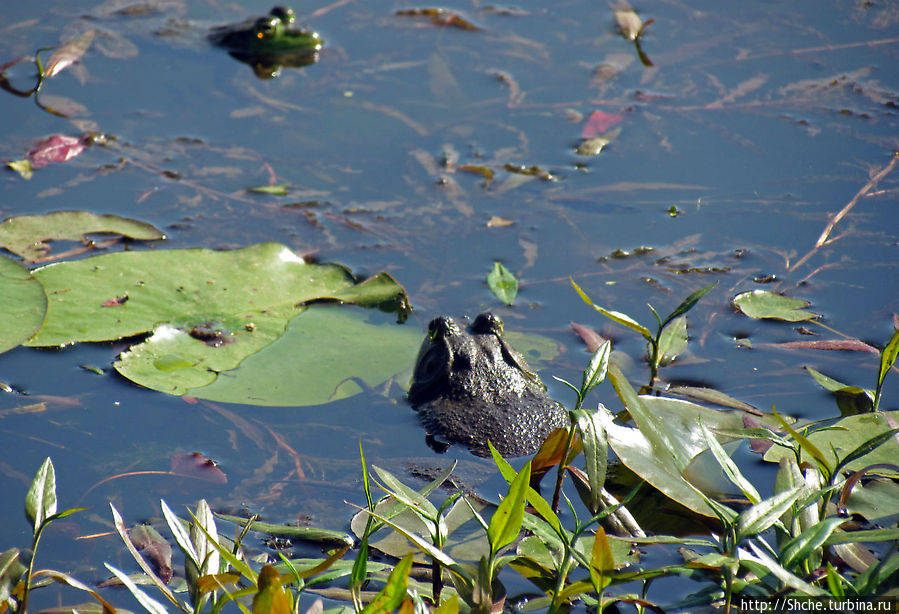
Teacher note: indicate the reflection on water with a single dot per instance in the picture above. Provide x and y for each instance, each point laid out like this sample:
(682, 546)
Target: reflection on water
(431, 151)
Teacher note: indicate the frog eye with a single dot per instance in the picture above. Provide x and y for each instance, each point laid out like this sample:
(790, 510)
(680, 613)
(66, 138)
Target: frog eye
(284, 14)
(266, 27)
(487, 323)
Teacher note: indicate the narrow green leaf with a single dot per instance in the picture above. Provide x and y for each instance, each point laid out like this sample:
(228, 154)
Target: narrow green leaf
(596, 371)
(761, 516)
(673, 340)
(506, 521)
(40, 502)
(541, 505)
(274, 190)
(602, 562)
(772, 566)
(407, 495)
(730, 467)
(805, 444)
(615, 316)
(866, 448)
(503, 283)
(596, 454)
(689, 302)
(806, 543)
(181, 536)
(888, 357)
(149, 604)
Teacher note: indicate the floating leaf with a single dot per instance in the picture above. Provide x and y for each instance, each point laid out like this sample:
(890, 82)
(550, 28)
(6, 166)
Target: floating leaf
(23, 304)
(599, 123)
(23, 167)
(503, 283)
(245, 299)
(498, 222)
(629, 23)
(764, 304)
(592, 147)
(68, 53)
(27, 235)
(275, 190)
(57, 148)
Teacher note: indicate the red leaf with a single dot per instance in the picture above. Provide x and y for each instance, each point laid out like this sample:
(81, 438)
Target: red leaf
(195, 465)
(599, 123)
(154, 549)
(57, 148)
(839, 345)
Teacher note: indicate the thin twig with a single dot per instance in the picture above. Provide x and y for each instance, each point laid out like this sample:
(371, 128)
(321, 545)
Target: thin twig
(822, 240)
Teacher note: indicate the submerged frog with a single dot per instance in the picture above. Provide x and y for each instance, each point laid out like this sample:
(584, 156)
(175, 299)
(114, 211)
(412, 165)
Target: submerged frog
(270, 42)
(471, 387)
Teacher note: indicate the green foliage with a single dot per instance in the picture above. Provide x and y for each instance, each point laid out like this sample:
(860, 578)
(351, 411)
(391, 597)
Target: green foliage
(243, 313)
(503, 283)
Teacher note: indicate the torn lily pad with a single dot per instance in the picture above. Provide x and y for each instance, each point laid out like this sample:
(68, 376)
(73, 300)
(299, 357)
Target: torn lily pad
(212, 312)
(27, 235)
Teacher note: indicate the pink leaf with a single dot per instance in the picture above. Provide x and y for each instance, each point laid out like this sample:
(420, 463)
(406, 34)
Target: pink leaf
(839, 345)
(57, 148)
(599, 123)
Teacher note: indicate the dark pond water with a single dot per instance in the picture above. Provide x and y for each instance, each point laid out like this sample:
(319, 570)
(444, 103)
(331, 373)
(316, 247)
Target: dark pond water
(755, 122)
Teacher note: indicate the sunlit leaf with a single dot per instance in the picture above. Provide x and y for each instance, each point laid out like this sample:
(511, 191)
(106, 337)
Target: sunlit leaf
(673, 341)
(599, 123)
(506, 521)
(212, 312)
(68, 53)
(596, 453)
(312, 534)
(592, 147)
(615, 316)
(40, 501)
(274, 190)
(629, 23)
(23, 167)
(22, 301)
(272, 598)
(602, 562)
(847, 435)
(764, 304)
(502, 283)
(809, 541)
(28, 235)
(11, 571)
(57, 148)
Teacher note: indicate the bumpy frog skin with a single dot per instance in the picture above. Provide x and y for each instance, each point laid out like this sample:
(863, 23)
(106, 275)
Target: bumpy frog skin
(267, 43)
(470, 386)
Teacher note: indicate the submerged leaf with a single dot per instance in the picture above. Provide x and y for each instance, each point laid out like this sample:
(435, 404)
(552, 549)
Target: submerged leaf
(764, 304)
(503, 283)
(27, 235)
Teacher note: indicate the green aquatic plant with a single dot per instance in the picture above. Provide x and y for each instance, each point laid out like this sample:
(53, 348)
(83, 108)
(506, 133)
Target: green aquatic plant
(670, 338)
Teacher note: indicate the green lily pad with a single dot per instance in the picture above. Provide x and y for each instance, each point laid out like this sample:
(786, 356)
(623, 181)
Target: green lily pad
(211, 312)
(327, 353)
(503, 283)
(23, 304)
(764, 304)
(27, 235)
